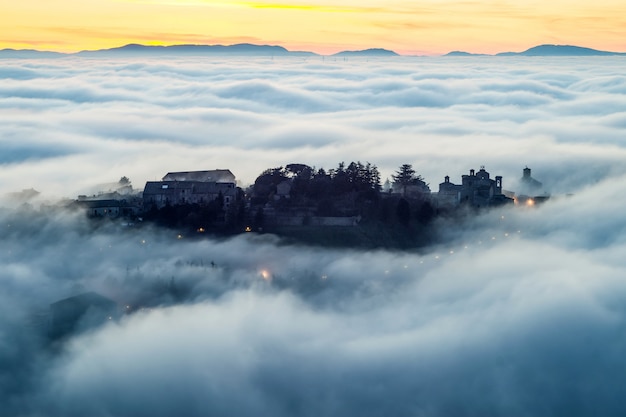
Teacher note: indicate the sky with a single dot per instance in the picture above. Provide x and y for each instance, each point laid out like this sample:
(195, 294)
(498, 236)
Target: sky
(429, 27)
(517, 311)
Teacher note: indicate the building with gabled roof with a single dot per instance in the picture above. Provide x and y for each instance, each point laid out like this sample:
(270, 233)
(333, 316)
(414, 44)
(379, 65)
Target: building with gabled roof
(215, 175)
(190, 187)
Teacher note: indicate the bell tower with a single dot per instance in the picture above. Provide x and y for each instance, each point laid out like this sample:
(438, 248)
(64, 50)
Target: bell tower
(498, 184)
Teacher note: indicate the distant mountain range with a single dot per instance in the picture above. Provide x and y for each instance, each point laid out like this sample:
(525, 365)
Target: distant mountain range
(242, 49)
(367, 52)
(547, 50)
(28, 53)
(251, 50)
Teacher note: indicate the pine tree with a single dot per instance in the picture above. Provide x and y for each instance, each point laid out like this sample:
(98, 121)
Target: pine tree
(405, 176)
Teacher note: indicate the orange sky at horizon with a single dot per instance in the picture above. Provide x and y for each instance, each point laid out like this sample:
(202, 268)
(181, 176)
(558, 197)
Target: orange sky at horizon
(429, 27)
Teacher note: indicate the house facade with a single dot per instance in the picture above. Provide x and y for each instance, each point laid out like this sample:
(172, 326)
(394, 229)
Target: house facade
(111, 205)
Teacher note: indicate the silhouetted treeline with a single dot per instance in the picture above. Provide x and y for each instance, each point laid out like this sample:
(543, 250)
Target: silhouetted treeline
(347, 190)
(308, 183)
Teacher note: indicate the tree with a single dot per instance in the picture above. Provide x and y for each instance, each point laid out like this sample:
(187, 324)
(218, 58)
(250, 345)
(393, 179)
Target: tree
(405, 176)
(124, 186)
(426, 213)
(266, 183)
(301, 180)
(387, 186)
(295, 170)
(340, 180)
(403, 211)
(320, 185)
(373, 176)
(259, 219)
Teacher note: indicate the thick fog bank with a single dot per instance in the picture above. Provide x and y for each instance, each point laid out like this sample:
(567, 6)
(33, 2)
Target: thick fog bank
(520, 312)
(100, 119)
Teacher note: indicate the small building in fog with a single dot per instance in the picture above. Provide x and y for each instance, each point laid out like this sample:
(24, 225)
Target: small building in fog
(529, 185)
(530, 191)
(108, 208)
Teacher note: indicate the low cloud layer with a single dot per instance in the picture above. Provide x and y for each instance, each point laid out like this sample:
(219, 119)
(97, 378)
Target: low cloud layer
(102, 119)
(518, 312)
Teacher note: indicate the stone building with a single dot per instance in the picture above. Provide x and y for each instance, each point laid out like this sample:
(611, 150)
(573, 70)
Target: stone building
(477, 189)
(195, 187)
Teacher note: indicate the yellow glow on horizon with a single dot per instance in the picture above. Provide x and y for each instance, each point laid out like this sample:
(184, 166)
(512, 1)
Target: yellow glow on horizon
(409, 27)
(306, 6)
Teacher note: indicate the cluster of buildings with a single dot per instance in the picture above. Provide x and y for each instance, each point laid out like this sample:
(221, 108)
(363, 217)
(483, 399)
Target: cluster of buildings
(193, 187)
(477, 189)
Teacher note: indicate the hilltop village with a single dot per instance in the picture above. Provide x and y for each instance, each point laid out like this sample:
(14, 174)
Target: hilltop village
(343, 207)
(291, 199)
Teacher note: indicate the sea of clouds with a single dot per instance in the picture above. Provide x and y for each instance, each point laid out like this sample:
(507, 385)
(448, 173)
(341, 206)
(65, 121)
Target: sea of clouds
(519, 312)
(68, 124)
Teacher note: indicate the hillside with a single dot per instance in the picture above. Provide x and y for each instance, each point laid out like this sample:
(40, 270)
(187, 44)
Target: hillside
(372, 52)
